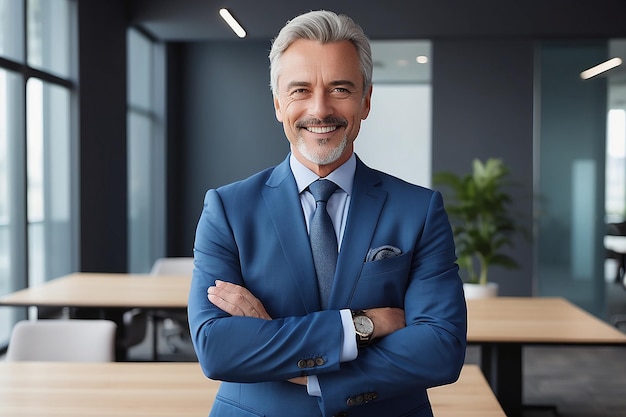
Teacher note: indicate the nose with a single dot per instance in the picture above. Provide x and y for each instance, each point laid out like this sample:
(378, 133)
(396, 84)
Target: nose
(321, 105)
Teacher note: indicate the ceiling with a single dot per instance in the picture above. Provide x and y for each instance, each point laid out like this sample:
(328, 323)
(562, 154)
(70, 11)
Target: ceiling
(188, 20)
(400, 30)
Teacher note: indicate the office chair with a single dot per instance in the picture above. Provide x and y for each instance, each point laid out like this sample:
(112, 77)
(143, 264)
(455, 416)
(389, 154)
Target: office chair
(63, 340)
(174, 324)
(617, 229)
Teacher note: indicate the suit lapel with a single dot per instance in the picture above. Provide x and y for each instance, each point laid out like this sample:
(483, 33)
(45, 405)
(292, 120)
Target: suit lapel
(365, 207)
(283, 203)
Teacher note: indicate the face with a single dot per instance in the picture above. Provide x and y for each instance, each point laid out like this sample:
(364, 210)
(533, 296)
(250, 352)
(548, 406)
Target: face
(321, 102)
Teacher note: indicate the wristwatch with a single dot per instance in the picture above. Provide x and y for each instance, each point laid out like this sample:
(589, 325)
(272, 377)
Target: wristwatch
(364, 328)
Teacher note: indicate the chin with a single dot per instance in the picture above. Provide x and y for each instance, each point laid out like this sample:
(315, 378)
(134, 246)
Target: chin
(323, 153)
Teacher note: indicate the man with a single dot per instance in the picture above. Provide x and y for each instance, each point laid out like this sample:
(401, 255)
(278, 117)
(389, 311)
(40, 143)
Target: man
(392, 321)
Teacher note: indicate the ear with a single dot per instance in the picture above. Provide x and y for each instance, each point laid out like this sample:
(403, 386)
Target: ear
(279, 115)
(367, 101)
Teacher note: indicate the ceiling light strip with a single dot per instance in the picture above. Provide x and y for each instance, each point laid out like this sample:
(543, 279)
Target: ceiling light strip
(600, 68)
(233, 23)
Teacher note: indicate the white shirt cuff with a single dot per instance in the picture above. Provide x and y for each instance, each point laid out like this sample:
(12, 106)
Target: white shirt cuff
(349, 351)
(313, 386)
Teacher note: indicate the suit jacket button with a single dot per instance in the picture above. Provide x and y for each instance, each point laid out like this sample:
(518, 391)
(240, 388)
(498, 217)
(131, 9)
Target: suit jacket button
(310, 363)
(319, 361)
(370, 396)
(350, 402)
(301, 364)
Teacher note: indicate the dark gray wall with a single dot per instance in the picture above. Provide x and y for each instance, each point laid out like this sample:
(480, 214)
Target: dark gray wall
(482, 108)
(102, 130)
(228, 126)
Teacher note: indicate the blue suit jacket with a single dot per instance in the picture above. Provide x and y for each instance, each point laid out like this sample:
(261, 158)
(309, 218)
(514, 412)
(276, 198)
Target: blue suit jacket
(253, 233)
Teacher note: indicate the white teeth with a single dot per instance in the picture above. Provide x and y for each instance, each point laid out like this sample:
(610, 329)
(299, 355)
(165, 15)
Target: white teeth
(325, 129)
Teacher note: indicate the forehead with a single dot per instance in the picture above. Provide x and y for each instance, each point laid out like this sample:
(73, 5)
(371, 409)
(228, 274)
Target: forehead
(308, 60)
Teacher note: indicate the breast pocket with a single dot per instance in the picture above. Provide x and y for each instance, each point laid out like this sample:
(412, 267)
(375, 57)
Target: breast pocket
(383, 283)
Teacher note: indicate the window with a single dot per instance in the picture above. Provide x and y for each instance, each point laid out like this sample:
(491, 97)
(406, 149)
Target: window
(38, 214)
(616, 166)
(146, 152)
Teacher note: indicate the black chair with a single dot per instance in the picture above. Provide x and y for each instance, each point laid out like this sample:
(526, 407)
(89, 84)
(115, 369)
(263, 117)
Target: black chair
(171, 325)
(617, 229)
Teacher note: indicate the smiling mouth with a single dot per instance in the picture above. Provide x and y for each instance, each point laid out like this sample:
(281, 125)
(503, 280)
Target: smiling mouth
(321, 129)
(322, 126)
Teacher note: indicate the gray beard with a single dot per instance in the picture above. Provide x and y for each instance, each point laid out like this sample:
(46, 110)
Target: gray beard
(322, 156)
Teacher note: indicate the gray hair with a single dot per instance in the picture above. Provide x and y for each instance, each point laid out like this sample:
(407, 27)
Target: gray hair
(325, 27)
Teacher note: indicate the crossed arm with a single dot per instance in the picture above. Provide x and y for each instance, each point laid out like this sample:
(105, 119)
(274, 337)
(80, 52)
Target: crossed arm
(238, 301)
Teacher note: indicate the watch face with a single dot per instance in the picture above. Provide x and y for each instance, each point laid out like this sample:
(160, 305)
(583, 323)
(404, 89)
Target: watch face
(363, 325)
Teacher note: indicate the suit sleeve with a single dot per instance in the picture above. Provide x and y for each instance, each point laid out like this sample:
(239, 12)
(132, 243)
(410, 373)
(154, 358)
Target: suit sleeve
(244, 349)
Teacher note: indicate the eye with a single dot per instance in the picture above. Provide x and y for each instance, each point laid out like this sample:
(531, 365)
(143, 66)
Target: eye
(298, 92)
(341, 92)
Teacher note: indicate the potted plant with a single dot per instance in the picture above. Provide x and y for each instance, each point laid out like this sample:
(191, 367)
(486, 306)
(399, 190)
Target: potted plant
(481, 221)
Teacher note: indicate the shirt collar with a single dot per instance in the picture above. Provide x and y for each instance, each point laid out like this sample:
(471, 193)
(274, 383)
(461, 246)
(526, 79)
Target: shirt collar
(343, 176)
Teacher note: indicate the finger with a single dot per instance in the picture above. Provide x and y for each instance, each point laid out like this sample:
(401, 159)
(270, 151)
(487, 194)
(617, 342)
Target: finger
(241, 296)
(242, 301)
(238, 302)
(225, 306)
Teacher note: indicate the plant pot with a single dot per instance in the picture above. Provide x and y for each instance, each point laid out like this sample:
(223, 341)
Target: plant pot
(473, 291)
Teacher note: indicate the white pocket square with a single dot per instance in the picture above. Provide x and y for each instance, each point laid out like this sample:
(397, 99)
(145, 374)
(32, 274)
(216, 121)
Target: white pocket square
(382, 252)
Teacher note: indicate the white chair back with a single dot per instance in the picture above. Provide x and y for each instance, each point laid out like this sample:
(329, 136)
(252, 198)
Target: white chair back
(63, 340)
(173, 266)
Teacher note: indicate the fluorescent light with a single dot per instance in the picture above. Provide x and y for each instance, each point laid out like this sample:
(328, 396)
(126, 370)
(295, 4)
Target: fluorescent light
(600, 68)
(232, 22)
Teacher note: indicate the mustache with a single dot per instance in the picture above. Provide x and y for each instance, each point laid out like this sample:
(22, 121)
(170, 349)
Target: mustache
(330, 120)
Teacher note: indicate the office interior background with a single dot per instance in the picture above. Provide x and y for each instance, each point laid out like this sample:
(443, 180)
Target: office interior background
(116, 116)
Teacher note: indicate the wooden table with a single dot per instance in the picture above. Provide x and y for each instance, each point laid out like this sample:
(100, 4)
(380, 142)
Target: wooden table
(110, 294)
(503, 325)
(124, 389)
(105, 290)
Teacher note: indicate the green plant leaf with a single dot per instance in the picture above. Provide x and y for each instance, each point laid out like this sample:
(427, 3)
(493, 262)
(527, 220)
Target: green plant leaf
(478, 206)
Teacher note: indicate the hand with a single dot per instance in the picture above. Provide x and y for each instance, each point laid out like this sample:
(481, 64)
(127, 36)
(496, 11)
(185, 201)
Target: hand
(386, 320)
(236, 300)
(300, 380)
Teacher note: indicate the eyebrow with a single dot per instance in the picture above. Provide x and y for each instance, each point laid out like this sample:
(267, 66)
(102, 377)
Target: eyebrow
(343, 82)
(297, 84)
(332, 84)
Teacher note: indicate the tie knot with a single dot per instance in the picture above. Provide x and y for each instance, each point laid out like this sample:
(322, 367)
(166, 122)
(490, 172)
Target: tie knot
(322, 190)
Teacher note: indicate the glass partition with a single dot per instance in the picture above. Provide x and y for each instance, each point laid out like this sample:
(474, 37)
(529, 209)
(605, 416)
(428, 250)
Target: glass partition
(571, 149)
